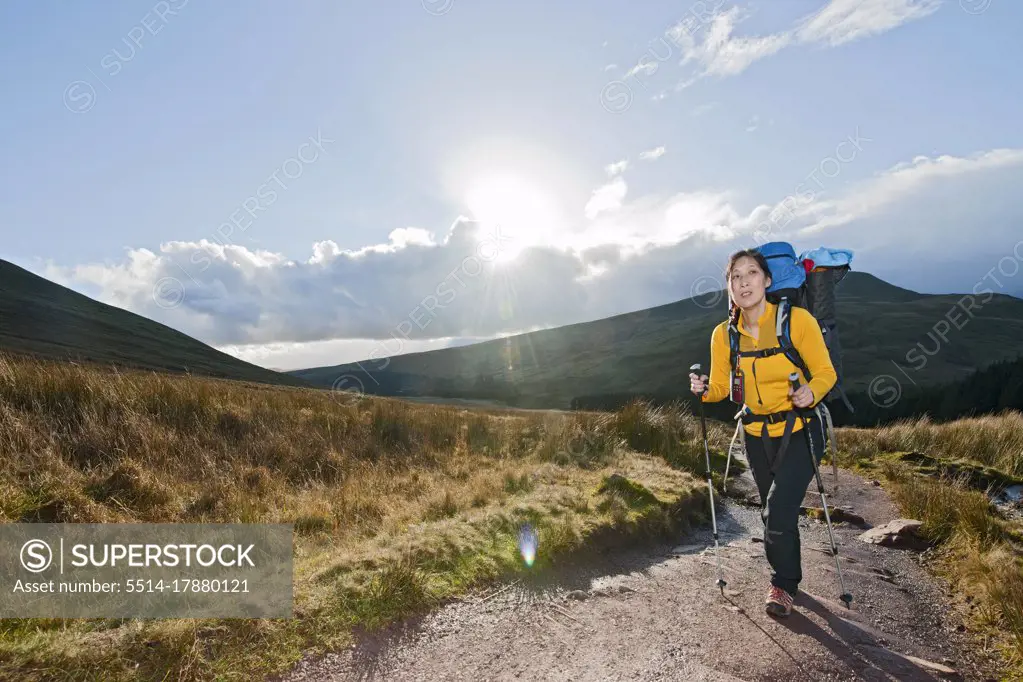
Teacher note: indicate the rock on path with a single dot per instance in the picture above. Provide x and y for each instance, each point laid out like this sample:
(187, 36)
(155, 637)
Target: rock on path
(897, 533)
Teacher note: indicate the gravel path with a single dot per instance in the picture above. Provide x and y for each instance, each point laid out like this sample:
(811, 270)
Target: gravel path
(655, 614)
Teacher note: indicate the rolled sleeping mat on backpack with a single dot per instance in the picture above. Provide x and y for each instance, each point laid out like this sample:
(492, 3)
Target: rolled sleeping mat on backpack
(830, 329)
(831, 340)
(821, 284)
(831, 267)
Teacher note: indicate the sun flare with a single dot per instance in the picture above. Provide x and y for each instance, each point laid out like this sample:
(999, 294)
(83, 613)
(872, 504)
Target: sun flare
(523, 214)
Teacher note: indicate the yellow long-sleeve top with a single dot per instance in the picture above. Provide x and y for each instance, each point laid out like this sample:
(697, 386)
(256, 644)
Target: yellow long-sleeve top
(766, 383)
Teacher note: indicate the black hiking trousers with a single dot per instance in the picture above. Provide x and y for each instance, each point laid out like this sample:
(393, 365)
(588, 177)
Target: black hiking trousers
(781, 496)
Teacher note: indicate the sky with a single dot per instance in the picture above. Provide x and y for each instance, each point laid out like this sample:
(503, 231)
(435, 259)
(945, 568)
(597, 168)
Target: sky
(311, 183)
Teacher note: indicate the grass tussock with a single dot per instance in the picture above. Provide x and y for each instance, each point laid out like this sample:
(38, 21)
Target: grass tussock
(994, 441)
(947, 507)
(945, 476)
(396, 506)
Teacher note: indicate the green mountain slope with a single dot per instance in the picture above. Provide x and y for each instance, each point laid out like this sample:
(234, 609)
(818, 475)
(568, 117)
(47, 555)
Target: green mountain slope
(995, 388)
(41, 318)
(650, 351)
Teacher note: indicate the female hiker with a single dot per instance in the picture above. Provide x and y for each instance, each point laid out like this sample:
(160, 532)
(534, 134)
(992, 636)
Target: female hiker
(778, 453)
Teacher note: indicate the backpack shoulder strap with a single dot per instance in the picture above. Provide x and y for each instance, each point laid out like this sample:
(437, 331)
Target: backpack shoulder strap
(783, 329)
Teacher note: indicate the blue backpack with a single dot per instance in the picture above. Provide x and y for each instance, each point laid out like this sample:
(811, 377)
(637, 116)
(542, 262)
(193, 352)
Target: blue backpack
(788, 276)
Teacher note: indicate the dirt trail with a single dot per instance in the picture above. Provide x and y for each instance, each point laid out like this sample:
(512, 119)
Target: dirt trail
(655, 614)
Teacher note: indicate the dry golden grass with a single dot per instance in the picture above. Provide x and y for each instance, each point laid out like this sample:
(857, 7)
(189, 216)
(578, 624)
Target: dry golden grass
(980, 551)
(396, 506)
(992, 440)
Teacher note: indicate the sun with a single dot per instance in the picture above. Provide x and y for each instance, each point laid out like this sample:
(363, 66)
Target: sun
(523, 214)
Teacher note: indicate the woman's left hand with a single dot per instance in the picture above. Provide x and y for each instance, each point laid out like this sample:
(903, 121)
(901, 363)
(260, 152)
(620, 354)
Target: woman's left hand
(803, 397)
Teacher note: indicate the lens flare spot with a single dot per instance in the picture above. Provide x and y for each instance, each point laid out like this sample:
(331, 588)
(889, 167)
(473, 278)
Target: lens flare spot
(528, 544)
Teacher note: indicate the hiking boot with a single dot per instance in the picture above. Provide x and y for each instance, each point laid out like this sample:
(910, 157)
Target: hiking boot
(779, 602)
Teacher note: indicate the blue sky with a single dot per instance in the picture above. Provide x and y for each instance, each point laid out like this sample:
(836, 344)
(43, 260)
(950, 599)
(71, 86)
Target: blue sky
(345, 140)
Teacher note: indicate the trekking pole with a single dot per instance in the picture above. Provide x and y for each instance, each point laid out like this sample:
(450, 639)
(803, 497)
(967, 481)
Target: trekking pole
(834, 443)
(710, 485)
(731, 447)
(846, 596)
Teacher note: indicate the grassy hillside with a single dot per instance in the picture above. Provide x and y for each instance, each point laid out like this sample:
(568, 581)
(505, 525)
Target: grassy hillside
(650, 351)
(396, 506)
(44, 319)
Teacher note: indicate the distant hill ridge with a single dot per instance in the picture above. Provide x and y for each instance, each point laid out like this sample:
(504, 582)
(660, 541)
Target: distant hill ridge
(650, 351)
(44, 319)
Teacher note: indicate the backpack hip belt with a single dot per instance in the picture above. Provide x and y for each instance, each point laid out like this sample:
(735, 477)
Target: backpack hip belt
(788, 417)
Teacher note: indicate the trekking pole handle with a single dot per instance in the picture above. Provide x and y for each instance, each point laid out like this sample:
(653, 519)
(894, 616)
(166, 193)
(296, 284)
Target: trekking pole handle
(794, 381)
(695, 369)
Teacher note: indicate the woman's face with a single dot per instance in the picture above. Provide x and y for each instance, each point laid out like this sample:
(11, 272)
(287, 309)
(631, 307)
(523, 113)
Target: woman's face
(747, 282)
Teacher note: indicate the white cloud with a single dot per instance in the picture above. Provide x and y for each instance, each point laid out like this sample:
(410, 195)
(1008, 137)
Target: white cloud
(903, 180)
(653, 154)
(724, 55)
(403, 236)
(653, 222)
(720, 52)
(324, 251)
(646, 67)
(753, 124)
(843, 21)
(686, 82)
(647, 251)
(606, 198)
(701, 212)
(616, 168)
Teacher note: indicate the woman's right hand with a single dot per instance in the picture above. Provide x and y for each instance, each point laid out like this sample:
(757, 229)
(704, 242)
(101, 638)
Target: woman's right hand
(697, 384)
